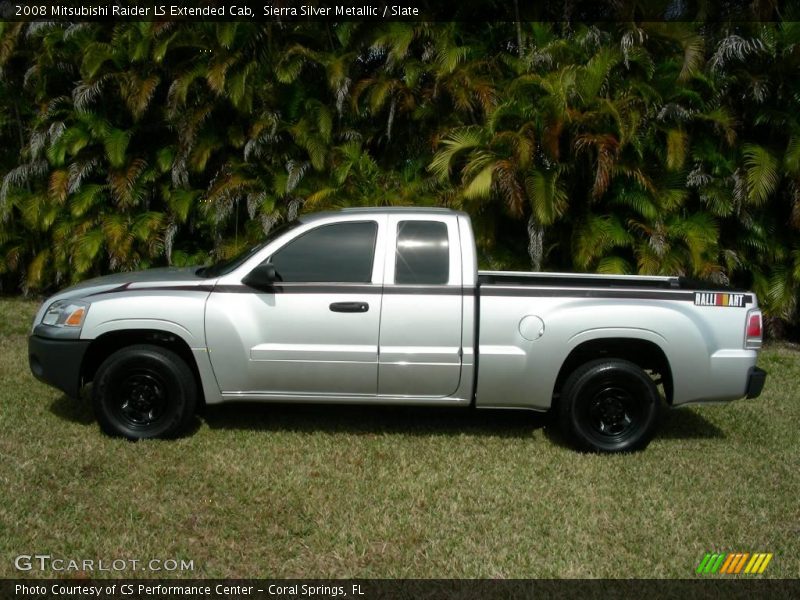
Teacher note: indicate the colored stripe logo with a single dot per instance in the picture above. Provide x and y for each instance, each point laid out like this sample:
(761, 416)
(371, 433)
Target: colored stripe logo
(734, 563)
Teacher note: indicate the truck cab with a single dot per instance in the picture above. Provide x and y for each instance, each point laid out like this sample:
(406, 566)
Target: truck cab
(358, 305)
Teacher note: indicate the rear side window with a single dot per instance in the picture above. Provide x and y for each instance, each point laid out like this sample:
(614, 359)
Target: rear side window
(338, 253)
(423, 253)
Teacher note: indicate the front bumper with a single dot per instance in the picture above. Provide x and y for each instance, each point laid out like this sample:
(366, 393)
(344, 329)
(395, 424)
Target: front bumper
(57, 362)
(755, 382)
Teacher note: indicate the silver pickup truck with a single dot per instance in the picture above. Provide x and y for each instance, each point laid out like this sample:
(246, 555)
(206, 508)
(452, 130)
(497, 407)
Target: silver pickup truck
(387, 306)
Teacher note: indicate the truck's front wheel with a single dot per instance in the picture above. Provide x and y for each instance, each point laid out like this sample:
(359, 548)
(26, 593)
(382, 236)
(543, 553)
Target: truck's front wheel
(144, 391)
(609, 405)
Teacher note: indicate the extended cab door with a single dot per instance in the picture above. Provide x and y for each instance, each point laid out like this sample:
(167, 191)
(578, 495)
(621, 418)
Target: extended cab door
(421, 318)
(315, 332)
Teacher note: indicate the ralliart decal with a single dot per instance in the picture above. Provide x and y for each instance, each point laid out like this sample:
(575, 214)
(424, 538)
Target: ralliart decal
(718, 299)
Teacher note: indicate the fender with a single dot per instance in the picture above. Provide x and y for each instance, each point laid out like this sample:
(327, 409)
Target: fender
(199, 351)
(157, 324)
(615, 332)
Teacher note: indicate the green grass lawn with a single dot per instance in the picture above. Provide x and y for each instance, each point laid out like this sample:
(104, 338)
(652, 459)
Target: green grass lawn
(276, 491)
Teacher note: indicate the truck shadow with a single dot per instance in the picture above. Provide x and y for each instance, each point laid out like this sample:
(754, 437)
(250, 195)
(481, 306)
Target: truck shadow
(310, 418)
(675, 424)
(685, 423)
(367, 420)
(73, 410)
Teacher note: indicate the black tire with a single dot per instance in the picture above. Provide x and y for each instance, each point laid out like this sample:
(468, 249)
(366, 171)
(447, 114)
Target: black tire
(144, 391)
(609, 405)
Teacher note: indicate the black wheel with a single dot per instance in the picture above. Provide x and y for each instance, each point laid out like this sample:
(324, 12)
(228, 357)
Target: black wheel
(609, 405)
(144, 391)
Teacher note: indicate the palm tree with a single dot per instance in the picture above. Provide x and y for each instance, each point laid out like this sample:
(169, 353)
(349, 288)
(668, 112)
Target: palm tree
(621, 147)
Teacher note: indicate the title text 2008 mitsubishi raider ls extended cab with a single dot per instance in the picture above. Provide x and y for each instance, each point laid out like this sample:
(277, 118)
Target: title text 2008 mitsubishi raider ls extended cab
(387, 306)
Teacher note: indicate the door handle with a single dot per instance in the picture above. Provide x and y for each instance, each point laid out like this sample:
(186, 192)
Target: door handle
(349, 307)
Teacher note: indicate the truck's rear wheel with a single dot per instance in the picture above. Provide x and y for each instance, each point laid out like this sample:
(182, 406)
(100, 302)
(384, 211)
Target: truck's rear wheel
(144, 391)
(609, 405)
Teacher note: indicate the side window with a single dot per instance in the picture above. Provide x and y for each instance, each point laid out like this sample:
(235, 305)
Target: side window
(338, 253)
(423, 254)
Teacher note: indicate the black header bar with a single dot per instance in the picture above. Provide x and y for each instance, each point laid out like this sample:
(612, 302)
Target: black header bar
(289, 11)
(417, 589)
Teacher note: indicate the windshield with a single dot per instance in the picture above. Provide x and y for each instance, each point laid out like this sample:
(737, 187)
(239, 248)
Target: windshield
(224, 267)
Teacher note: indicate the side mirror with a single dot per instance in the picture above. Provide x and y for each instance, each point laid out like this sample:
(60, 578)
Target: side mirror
(262, 277)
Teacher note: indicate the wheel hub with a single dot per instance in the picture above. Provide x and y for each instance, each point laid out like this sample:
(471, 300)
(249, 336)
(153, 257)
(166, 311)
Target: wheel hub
(610, 411)
(142, 398)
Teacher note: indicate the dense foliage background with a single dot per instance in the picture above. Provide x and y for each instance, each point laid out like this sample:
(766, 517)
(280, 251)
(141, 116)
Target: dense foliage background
(667, 148)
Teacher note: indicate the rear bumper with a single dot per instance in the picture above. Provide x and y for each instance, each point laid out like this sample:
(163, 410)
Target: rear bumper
(755, 382)
(732, 376)
(57, 362)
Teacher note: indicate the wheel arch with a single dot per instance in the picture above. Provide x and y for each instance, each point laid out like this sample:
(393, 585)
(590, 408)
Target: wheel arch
(106, 344)
(645, 353)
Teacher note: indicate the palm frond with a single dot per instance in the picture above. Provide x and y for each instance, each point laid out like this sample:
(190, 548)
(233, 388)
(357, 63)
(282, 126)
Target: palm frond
(677, 147)
(58, 186)
(596, 235)
(791, 158)
(761, 171)
(454, 144)
(480, 185)
(87, 197)
(94, 56)
(138, 92)
(36, 269)
(613, 265)
(734, 47)
(87, 92)
(115, 143)
(21, 175)
(547, 195)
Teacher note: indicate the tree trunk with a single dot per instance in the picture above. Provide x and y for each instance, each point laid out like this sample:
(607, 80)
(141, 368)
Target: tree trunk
(20, 130)
(390, 121)
(535, 243)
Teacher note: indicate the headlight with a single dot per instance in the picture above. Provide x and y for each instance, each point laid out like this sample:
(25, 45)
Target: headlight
(65, 313)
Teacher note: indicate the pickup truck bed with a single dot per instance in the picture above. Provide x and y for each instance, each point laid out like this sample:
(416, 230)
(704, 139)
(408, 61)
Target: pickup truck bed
(641, 319)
